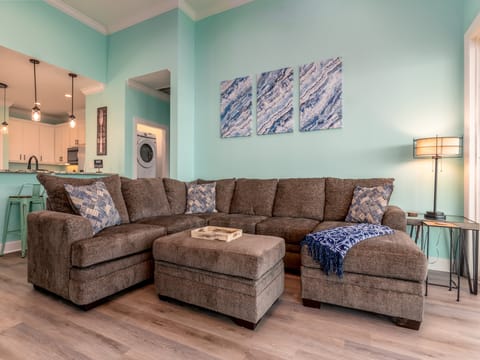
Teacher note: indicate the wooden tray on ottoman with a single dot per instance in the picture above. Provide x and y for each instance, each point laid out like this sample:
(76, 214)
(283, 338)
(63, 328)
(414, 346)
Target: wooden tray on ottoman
(216, 233)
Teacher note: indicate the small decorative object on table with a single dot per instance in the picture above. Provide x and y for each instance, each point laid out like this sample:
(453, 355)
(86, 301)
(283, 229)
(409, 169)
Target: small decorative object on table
(216, 233)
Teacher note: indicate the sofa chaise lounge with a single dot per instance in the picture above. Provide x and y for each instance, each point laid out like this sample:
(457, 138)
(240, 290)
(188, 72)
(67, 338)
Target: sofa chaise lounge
(65, 259)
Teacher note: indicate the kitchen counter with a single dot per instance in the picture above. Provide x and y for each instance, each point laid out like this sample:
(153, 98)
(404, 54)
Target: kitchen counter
(54, 172)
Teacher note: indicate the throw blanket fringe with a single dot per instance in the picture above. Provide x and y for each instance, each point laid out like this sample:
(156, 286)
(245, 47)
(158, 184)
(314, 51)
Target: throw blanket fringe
(329, 247)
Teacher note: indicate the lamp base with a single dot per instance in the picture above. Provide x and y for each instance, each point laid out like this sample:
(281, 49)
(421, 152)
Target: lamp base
(435, 215)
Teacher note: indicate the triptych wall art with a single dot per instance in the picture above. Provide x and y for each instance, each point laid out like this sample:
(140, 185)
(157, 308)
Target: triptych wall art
(320, 85)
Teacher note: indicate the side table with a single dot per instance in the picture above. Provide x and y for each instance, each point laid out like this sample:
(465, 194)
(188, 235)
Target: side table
(459, 228)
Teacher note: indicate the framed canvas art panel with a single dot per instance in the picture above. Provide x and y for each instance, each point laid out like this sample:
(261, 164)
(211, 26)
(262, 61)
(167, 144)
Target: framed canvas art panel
(275, 102)
(321, 95)
(236, 107)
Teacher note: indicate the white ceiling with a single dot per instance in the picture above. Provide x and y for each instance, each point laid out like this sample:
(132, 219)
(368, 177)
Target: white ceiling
(52, 84)
(106, 16)
(109, 16)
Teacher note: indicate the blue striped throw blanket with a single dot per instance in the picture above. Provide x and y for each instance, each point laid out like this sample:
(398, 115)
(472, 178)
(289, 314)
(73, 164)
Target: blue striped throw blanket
(329, 247)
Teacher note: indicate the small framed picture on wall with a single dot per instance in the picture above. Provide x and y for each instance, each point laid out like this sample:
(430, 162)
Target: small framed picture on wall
(102, 130)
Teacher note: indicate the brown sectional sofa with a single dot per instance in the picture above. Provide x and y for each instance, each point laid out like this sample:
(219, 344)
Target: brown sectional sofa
(65, 259)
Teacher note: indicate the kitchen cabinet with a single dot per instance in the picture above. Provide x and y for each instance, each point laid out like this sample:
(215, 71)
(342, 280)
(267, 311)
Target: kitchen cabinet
(62, 142)
(66, 137)
(47, 143)
(24, 140)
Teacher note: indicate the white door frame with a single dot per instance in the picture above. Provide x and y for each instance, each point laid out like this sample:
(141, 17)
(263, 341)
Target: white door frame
(138, 120)
(472, 123)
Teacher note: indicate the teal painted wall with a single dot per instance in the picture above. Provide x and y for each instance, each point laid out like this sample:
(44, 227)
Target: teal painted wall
(139, 104)
(34, 28)
(472, 8)
(183, 130)
(141, 49)
(399, 82)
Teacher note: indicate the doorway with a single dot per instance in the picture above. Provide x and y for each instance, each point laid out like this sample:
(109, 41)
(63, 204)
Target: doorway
(161, 135)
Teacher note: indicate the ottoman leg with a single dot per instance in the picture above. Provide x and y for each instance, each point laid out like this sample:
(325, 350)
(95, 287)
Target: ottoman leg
(246, 324)
(407, 323)
(311, 303)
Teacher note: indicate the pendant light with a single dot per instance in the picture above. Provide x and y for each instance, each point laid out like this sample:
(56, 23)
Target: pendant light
(36, 114)
(4, 123)
(72, 116)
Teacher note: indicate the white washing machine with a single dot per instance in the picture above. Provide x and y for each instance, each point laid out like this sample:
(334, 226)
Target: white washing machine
(146, 155)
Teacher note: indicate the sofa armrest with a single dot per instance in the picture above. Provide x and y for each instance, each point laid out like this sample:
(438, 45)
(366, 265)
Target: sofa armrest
(395, 218)
(50, 236)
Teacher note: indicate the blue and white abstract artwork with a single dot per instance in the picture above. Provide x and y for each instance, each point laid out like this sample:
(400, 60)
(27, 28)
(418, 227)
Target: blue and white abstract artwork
(321, 95)
(275, 102)
(236, 107)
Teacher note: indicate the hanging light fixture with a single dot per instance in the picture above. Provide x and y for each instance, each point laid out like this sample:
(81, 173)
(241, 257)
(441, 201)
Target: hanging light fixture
(72, 117)
(4, 123)
(36, 113)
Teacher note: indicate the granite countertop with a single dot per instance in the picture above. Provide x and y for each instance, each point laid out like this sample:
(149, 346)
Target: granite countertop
(6, 171)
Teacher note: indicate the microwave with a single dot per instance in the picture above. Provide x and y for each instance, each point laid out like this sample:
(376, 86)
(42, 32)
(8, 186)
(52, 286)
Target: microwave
(72, 155)
(76, 155)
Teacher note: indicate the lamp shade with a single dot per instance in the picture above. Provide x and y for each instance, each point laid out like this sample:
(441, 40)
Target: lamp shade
(438, 147)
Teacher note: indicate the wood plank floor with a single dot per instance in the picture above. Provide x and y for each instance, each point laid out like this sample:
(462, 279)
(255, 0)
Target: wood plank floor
(137, 325)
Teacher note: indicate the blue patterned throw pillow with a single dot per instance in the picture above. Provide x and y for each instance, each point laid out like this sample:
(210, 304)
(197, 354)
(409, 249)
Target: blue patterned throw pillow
(369, 204)
(200, 198)
(94, 203)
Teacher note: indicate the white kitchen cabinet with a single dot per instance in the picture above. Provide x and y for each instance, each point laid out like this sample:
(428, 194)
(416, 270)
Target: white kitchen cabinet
(23, 140)
(47, 143)
(15, 141)
(62, 142)
(31, 139)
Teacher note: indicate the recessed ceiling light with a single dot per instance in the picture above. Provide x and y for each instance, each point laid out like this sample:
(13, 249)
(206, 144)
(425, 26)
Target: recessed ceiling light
(68, 95)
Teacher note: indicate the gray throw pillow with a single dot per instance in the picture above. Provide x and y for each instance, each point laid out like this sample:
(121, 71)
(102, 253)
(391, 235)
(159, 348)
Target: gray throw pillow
(369, 204)
(200, 198)
(94, 203)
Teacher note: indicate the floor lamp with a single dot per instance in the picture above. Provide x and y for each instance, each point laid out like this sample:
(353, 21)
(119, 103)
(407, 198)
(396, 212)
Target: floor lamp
(437, 148)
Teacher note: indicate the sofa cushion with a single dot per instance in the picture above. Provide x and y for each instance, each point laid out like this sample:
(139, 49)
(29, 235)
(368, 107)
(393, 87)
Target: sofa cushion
(175, 223)
(369, 204)
(245, 222)
(254, 197)
(113, 243)
(302, 198)
(176, 194)
(339, 193)
(293, 230)
(57, 196)
(200, 198)
(248, 257)
(223, 193)
(94, 203)
(390, 256)
(145, 198)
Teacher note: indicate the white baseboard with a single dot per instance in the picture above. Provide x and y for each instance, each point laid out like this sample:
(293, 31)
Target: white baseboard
(438, 264)
(13, 246)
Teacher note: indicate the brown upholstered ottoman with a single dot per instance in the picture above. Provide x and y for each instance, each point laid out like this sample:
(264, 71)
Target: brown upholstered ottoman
(385, 275)
(241, 278)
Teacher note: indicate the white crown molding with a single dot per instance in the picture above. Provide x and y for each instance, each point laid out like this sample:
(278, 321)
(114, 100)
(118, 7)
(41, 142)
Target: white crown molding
(27, 113)
(60, 5)
(146, 13)
(187, 9)
(219, 7)
(93, 89)
(157, 94)
(160, 7)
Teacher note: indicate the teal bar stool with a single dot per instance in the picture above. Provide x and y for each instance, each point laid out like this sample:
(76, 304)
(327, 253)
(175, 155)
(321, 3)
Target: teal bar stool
(26, 203)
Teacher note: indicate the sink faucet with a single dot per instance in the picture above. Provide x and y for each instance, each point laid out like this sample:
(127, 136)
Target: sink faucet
(29, 165)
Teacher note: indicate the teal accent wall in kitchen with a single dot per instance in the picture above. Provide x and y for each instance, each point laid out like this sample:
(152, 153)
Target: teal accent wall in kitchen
(471, 10)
